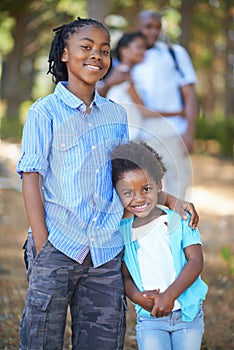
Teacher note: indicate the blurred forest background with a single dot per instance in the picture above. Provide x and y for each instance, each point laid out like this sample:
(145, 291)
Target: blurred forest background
(204, 27)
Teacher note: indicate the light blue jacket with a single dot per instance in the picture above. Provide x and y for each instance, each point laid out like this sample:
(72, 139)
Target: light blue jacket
(181, 235)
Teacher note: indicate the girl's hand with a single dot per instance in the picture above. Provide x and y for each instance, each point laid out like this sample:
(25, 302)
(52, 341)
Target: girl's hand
(162, 303)
(182, 207)
(147, 303)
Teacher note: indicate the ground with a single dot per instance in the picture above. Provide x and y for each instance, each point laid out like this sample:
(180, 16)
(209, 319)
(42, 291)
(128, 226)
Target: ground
(213, 195)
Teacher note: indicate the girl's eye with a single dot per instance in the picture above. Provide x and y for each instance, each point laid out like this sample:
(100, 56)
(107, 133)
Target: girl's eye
(105, 52)
(147, 189)
(86, 47)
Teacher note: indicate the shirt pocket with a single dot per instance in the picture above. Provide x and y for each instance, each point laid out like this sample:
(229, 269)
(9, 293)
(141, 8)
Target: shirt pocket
(66, 151)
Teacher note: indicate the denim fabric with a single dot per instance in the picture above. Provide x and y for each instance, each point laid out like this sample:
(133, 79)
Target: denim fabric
(95, 295)
(170, 332)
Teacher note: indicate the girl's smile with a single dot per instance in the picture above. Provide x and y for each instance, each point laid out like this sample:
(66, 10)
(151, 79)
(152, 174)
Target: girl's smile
(87, 57)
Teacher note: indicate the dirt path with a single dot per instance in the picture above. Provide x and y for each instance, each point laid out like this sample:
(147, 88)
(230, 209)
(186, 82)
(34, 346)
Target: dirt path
(213, 195)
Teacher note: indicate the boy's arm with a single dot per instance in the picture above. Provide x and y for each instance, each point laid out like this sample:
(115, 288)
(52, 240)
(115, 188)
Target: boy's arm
(164, 302)
(132, 291)
(33, 201)
(180, 206)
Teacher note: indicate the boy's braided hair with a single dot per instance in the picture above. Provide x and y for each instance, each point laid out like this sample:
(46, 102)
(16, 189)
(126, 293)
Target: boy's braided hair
(57, 68)
(136, 155)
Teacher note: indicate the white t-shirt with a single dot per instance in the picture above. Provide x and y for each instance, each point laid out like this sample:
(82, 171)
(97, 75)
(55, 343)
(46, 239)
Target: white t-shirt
(157, 81)
(154, 255)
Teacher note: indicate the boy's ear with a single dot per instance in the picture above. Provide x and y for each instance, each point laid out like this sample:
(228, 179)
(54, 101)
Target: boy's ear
(64, 57)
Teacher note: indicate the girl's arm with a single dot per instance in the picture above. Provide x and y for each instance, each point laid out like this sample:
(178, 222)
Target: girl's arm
(33, 201)
(132, 292)
(164, 302)
(180, 206)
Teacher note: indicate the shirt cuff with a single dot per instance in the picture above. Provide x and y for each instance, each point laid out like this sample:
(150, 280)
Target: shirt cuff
(32, 163)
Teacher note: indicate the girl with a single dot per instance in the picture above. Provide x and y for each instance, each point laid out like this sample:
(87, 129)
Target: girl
(163, 256)
(74, 248)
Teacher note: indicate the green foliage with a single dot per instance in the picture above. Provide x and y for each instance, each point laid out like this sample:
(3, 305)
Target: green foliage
(227, 255)
(11, 128)
(6, 40)
(219, 130)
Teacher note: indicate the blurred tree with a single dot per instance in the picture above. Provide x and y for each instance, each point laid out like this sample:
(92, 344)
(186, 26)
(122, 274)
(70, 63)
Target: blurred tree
(204, 27)
(99, 12)
(31, 35)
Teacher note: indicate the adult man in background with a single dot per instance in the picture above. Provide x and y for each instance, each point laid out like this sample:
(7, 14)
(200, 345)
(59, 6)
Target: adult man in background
(165, 82)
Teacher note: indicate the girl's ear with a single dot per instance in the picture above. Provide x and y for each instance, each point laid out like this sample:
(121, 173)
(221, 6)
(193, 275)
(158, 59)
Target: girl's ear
(64, 57)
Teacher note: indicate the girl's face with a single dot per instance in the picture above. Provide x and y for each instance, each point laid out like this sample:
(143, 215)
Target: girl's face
(138, 192)
(135, 51)
(87, 55)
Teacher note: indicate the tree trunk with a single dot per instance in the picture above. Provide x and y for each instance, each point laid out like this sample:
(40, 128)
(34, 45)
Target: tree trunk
(98, 9)
(229, 88)
(186, 20)
(11, 79)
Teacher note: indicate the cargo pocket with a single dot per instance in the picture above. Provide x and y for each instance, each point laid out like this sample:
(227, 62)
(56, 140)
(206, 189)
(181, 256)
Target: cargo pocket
(122, 323)
(29, 253)
(33, 323)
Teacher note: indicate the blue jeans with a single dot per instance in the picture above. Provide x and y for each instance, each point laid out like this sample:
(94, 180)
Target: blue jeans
(170, 332)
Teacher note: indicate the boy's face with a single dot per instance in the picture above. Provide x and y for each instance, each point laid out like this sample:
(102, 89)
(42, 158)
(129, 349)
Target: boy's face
(138, 192)
(87, 55)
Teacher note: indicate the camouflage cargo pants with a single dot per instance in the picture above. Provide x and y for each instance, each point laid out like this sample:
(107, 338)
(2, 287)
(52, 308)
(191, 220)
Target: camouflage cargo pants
(95, 295)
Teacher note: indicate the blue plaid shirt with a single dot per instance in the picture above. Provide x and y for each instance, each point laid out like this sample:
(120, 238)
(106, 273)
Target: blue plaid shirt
(71, 150)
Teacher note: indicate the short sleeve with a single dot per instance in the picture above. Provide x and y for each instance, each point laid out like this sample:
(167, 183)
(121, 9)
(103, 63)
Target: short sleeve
(185, 65)
(190, 236)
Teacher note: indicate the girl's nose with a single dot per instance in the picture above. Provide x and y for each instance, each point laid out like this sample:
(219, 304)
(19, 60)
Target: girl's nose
(95, 54)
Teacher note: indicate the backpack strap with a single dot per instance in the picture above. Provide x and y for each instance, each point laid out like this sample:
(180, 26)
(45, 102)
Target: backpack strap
(173, 55)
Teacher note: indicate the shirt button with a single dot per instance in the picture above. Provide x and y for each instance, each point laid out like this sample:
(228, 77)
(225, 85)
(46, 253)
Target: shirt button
(97, 171)
(62, 145)
(89, 124)
(95, 219)
(93, 147)
(92, 239)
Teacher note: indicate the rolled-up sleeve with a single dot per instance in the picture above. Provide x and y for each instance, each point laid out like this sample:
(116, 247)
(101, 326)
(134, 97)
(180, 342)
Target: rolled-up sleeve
(36, 143)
